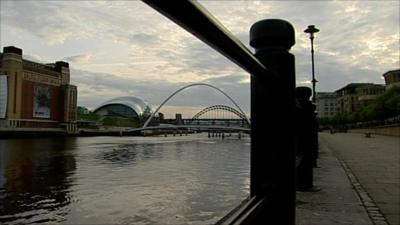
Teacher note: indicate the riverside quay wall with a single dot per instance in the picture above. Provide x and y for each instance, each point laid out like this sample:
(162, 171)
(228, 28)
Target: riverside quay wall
(390, 130)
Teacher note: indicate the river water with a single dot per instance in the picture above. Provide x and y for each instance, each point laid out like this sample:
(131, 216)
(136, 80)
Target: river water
(122, 180)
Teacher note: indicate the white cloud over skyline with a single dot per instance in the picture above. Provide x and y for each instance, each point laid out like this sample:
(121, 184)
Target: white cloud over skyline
(119, 48)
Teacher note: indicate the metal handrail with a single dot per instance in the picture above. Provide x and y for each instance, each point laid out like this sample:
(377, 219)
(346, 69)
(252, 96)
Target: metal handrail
(197, 20)
(273, 190)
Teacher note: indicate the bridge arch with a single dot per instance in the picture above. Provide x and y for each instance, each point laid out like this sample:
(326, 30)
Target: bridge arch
(188, 86)
(216, 107)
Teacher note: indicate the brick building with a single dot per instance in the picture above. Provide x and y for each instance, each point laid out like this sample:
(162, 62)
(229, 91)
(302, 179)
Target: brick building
(392, 78)
(35, 95)
(356, 95)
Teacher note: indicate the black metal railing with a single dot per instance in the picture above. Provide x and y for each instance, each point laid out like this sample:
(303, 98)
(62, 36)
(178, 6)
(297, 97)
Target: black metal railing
(273, 157)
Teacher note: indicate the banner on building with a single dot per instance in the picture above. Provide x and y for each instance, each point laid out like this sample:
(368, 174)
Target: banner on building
(3, 96)
(41, 102)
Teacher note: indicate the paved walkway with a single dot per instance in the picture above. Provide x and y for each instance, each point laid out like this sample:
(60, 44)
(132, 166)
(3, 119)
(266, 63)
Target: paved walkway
(336, 203)
(374, 166)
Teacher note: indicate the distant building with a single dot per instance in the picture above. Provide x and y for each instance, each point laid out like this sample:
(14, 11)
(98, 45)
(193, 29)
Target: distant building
(178, 119)
(368, 93)
(126, 107)
(83, 110)
(392, 78)
(356, 95)
(34, 94)
(326, 104)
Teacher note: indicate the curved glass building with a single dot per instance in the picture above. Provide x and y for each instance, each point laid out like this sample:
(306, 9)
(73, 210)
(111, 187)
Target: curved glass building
(127, 107)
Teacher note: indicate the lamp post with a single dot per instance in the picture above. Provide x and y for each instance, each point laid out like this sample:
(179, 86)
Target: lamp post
(311, 30)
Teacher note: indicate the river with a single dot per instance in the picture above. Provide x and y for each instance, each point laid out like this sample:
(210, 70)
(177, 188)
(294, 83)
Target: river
(122, 180)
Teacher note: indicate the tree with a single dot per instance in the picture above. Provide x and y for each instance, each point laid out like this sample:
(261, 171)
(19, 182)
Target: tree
(386, 105)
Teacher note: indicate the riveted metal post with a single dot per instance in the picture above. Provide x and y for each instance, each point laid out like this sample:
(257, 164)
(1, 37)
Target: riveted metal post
(272, 113)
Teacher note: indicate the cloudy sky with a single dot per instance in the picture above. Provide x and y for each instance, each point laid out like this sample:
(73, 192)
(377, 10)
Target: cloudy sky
(125, 48)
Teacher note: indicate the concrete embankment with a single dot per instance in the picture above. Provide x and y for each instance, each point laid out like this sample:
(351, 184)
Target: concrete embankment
(32, 132)
(60, 132)
(381, 130)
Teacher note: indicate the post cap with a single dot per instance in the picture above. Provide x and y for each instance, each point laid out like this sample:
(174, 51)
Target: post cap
(303, 93)
(272, 33)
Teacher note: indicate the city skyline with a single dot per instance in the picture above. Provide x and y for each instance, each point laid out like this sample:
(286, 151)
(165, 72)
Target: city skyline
(126, 48)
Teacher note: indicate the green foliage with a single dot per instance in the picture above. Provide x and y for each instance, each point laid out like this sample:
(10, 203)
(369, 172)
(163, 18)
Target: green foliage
(90, 117)
(120, 122)
(388, 104)
(385, 106)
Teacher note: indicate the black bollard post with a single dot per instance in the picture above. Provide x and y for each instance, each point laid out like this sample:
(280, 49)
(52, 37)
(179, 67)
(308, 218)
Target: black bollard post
(315, 136)
(272, 111)
(306, 133)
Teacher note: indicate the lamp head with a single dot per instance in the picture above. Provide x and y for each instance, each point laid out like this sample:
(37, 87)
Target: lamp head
(311, 30)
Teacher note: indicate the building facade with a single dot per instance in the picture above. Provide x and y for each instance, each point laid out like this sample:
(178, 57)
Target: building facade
(392, 78)
(354, 96)
(326, 104)
(368, 93)
(35, 95)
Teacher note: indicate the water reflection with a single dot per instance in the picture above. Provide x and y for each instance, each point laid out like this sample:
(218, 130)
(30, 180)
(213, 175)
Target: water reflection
(35, 176)
(122, 180)
(121, 155)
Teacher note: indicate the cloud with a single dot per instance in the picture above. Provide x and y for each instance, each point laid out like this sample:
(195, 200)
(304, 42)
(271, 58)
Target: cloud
(79, 59)
(144, 39)
(121, 48)
(34, 58)
(95, 88)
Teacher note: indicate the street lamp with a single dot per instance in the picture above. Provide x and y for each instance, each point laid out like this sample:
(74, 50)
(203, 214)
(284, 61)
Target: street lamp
(311, 30)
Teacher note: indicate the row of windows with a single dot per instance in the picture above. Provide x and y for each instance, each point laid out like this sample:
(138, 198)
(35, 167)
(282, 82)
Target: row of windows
(329, 104)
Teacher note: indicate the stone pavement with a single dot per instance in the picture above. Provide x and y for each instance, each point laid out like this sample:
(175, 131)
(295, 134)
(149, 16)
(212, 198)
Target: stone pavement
(336, 203)
(373, 165)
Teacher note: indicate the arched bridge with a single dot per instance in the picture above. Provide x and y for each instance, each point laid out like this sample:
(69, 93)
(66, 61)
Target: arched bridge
(219, 115)
(189, 86)
(241, 123)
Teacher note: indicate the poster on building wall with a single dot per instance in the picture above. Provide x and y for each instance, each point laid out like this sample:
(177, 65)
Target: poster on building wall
(3, 96)
(41, 102)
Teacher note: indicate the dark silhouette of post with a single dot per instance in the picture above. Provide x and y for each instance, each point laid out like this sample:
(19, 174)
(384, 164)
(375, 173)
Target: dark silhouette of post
(272, 127)
(305, 139)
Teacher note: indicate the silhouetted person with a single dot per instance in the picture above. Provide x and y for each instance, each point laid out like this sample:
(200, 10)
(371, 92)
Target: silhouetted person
(305, 139)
